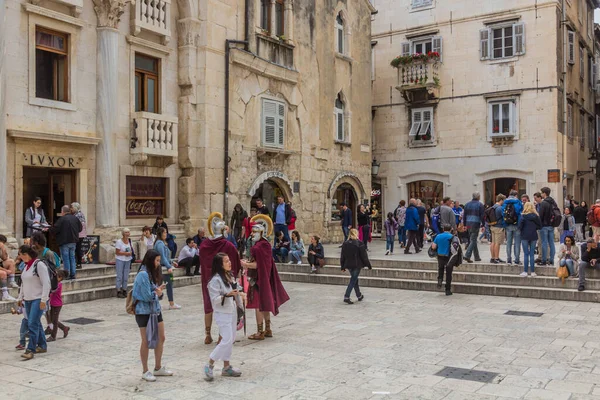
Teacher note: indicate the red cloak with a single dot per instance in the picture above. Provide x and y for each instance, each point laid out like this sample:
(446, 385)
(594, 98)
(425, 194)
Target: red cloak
(208, 250)
(269, 293)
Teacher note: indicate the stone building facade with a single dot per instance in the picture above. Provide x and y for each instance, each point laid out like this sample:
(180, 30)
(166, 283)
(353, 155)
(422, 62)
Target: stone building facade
(502, 97)
(183, 107)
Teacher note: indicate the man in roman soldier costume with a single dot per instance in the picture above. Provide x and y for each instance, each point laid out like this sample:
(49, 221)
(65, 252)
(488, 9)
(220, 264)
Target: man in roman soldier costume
(208, 249)
(266, 293)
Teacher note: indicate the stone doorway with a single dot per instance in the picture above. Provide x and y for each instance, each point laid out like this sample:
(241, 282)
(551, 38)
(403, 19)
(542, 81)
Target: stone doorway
(268, 191)
(494, 187)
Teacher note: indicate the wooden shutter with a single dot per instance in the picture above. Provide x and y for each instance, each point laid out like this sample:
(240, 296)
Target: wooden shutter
(339, 125)
(416, 123)
(436, 45)
(571, 40)
(405, 48)
(592, 70)
(427, 123)
(581, 62)
(519, 38)
(484, 44)
(281, 124)
(570, 121)
(269, 122)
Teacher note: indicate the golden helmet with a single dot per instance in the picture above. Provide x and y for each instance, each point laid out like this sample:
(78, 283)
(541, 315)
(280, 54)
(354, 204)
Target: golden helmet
(264, 223)
(216, 224)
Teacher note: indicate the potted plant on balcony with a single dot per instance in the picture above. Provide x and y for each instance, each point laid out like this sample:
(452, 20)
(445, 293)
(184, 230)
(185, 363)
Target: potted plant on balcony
(432, 56)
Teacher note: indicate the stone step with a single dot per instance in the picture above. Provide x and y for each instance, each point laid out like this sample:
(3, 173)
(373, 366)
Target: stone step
(101, 288)
(479, 267)
(458, 276)
(458, 287)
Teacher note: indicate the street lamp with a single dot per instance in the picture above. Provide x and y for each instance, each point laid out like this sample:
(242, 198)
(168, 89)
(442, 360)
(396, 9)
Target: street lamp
(375, 167)
(592, 162)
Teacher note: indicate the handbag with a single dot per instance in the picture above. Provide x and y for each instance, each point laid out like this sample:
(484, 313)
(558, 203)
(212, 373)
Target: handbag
(152, 331)
(130, 303)
(321, 262)
(562, 272)
(431, 252)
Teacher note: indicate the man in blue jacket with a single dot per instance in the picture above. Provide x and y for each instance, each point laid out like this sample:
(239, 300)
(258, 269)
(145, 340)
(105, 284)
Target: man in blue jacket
(511, 212)
(346, 220)
(412, 226)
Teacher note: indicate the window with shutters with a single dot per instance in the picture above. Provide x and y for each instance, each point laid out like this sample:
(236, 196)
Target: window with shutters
(581, 63)
(421, 4)
(423, 45)
(582, 126)
(51, 65)
(339, 34)
(421, 128)
(591, 71)
(340, 125)
(502, 41)
(571, 46)
(570, 121)
(591, 134)
(273, 123)
(502, 118)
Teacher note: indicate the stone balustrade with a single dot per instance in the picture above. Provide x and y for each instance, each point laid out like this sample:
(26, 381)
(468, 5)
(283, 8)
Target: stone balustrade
(153, 16)
(275, 50)
(419, 73)
(154, 135)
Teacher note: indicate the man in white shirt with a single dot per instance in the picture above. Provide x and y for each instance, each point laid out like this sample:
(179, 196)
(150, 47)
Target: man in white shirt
(189, 256)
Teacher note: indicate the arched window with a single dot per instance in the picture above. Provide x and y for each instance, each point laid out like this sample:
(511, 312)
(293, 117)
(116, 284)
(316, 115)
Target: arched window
(339, 30)
(340, 134)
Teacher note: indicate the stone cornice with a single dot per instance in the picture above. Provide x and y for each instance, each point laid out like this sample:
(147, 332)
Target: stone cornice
(44, 12)
(263, 67)
(53, 137)
(148, 44)
(109, 12)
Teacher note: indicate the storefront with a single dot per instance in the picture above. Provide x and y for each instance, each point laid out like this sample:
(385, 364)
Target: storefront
(376, 207)
(494, 187)
(344, 194)
(429, 191)
(268, 186)
(146, 197)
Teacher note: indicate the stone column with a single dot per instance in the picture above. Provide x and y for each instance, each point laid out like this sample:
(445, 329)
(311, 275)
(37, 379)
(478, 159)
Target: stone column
(3, 154)
(289, 20)
(272, 24)
(107, 197)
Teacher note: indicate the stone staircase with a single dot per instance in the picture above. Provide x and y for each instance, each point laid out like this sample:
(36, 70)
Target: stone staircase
(98, 282)
(476, 278)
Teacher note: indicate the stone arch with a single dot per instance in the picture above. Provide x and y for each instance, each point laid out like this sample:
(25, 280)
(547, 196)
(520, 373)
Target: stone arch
(491, 175)
(350, 178)
(404, 181)
(278, 177)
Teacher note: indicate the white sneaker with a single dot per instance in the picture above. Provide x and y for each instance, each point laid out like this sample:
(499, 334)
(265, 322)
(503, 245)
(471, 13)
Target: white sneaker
(523, 274)
(290, 262)
(7, 297)
(175, 306)
(533, 274)
(299, 263)
(387, 252)
(163, 371)
(148, 377)
(13, 285)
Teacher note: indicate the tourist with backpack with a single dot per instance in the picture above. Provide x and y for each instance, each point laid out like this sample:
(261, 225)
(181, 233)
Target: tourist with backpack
(495, 219)
(593, 219)
(511, 213)
(52, 261)
(551, 218)
(567, 225)
(146, 294)
(34, 293)
(529, 225)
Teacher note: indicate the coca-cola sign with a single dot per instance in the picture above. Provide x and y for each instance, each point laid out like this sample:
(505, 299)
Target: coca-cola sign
(146, 196)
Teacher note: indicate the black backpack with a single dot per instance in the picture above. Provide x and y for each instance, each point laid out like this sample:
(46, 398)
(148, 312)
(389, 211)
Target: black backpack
(51, 274)
(490, 216)
(510, 214)
(556, 216)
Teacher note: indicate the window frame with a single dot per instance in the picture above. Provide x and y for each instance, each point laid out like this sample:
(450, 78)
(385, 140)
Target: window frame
(513, 118)
(582, 127)
(503, 38)
(65, 53)
(486, 41)
(416, 127)
(340, 115)
(570, 127)
(581, 62)
(282, 19)
(277, 102)
(340, 31)
(145, 74)
(418, 5)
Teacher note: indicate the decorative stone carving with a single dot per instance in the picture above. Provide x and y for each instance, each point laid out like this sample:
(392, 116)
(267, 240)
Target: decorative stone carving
(109, 12)
(188, 32)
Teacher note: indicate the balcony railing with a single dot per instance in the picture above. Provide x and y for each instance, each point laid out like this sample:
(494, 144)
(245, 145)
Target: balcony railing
(275, 50)
(154, 135)
(153, 16)
(419, 74)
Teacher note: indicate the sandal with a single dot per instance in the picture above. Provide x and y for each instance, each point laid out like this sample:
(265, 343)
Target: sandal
(260, 335)
(208, 339)
(268, 332)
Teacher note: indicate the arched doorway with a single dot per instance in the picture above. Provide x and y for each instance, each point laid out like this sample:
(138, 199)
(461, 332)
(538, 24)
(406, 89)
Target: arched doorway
(267, 186)
(429, 191)
(494, 187)
(344, 193)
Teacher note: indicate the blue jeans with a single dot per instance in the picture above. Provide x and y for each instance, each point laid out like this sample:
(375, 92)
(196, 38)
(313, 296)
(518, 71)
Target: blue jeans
(123, 268)
(296, 255)
(402, 236)
(569, 264)
(283, 252)
(353, 284)
(281, 228)
(529, 255)
(547, 235)
(37, 338)
(513, 233)
(23, 332)
(67, 253)
(389, 243)
(472, 248)
(346, 231)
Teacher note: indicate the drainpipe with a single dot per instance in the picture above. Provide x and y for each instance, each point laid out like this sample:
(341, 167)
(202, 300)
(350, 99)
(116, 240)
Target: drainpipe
(565, 103)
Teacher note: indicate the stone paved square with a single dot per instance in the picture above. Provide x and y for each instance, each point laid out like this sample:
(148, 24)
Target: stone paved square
(389, 346)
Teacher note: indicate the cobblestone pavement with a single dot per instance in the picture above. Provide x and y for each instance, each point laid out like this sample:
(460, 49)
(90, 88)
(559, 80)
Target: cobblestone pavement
(390, 346)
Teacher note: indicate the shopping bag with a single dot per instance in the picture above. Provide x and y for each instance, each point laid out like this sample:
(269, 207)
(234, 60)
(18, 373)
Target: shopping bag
(152, 331)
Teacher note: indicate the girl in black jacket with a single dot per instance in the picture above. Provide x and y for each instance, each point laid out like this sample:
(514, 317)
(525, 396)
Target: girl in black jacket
(354, 258)
(315, 253)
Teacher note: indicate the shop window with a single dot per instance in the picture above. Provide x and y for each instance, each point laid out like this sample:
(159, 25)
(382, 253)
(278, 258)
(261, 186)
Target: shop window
(146, 196)
(51, 65)
(273, 123)
(147, 87)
